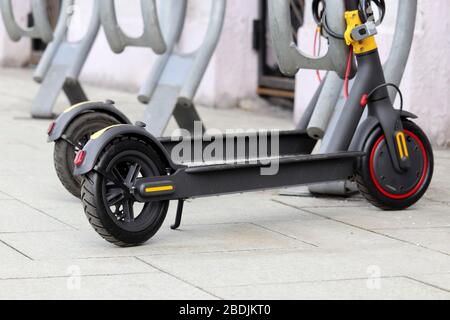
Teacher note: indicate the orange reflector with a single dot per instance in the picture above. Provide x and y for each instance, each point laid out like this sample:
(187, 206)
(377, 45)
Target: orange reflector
(159, 189)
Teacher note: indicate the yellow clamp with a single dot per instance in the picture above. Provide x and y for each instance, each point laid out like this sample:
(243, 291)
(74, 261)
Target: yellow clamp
(354, 20)
(402, 146)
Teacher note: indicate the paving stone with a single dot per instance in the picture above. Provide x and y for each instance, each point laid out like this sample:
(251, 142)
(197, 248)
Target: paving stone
(361, 289)
(301, 198)
(423, 215)
(252, 208)
(4, 196)
(434, 238)
(153, 286)
(330, 235)
(440, 188)
(47, 192)
(441, 281)
(9, 255)
(17, 217)
(65, 267)
(198, 238)
(284, 266)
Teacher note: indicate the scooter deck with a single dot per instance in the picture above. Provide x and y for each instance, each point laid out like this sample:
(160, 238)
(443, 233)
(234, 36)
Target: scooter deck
(219, 179)
(239, 145)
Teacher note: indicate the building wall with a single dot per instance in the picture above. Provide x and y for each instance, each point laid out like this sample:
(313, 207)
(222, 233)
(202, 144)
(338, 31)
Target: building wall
(232, 73)
(15, 54)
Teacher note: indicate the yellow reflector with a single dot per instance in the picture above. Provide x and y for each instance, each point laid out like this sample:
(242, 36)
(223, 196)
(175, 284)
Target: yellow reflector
(159, 189)
(98, 134)
(402, 146)
(76, 106)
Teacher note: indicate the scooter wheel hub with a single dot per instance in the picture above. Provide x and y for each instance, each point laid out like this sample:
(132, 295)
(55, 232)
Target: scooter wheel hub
(390, 182)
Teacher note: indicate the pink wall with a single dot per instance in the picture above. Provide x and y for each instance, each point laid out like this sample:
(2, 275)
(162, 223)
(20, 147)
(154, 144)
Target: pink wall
(15, 54)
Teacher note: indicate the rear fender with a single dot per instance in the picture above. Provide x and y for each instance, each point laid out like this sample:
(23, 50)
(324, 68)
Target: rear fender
(99, 141)
(69, 115)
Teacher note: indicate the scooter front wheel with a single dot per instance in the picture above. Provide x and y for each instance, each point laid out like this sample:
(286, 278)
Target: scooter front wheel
(387, 188)
(108, 201)
(76, 136)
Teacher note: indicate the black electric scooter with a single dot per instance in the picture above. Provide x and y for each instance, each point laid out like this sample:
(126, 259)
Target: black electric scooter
(129, 176)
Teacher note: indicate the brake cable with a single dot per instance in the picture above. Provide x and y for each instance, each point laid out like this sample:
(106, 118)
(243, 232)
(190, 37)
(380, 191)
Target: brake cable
(386, 85)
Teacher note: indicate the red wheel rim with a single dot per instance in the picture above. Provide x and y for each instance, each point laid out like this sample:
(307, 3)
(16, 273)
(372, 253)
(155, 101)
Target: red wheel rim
(419, 184)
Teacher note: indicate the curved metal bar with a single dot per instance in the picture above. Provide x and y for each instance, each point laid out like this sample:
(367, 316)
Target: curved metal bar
(291, 59)
(42, 28)
(204, 53)
(173, 14)
(325, 106)
(395, 65)
(152, 36)
(201, 57)
(170, 88)
(81, 47)
(62, 26)
(85, 44)
(61, 65)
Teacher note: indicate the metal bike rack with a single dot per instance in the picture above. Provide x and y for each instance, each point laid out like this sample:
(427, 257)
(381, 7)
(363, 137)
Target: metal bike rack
(62, 61)
(321, 117)
(171, 85)
(291, 59)
(394, 70)
(41, 29)
(151, 37)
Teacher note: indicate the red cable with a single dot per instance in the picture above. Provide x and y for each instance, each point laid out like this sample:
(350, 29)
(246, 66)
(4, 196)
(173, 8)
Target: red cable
(315, 53)
(347, 72)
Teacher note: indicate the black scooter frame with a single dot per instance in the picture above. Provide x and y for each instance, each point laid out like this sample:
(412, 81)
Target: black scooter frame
(296, 164)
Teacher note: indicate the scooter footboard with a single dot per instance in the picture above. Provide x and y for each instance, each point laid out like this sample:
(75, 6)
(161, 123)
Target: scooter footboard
(220, 179)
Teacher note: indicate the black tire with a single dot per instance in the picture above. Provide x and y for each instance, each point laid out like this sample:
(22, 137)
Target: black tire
(78, 133)
(390, 192)
(100, 194)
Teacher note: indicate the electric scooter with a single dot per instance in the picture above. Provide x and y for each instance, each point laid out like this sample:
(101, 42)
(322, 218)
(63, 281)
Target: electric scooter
(168, 91)
(129, 176)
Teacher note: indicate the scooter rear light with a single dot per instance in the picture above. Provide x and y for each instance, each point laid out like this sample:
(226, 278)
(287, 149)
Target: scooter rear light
(51, 127)
(79, 158)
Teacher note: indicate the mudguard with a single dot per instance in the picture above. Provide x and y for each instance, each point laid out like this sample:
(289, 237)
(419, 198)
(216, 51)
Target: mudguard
(368, 126)
(66, 118)
(103, 138)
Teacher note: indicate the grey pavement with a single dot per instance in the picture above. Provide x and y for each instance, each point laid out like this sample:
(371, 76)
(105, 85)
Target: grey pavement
(254, 246)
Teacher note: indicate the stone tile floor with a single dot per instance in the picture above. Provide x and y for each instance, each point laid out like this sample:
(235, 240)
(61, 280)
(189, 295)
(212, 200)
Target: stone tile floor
(254, 246)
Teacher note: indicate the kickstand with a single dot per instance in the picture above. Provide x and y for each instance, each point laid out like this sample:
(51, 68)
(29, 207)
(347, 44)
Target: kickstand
(177, 223)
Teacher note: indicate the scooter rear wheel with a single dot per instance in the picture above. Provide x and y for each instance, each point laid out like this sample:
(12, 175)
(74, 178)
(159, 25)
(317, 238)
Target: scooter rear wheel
(76, 136)
(381, 184)
(108, 201)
